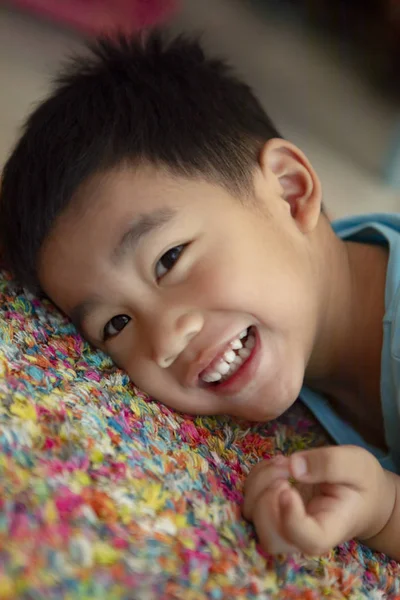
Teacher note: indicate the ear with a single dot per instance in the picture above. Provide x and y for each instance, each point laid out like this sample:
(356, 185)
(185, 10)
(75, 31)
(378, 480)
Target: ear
(298, 183)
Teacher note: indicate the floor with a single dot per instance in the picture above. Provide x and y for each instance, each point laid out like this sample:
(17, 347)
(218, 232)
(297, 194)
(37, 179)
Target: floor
(309, 88)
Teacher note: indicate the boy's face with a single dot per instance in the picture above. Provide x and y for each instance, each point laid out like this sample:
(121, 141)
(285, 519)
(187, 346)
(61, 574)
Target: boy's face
(208, 302)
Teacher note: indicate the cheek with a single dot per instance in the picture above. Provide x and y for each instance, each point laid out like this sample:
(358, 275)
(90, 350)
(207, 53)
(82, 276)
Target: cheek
(144, 376)
(273, 292)
(222, 281)
(157, 384)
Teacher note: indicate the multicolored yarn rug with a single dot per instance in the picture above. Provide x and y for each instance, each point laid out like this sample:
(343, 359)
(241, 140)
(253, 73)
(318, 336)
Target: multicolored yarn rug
(105, 494)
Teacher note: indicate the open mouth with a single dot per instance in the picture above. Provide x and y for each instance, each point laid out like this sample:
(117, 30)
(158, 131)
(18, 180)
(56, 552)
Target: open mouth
(228, 363)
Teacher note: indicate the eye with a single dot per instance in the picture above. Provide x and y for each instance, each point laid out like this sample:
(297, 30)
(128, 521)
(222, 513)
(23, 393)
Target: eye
(115, 326)
(168, 260)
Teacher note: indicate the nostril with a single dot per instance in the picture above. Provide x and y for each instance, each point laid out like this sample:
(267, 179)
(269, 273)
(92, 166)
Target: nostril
(164, 363)
(191, 335)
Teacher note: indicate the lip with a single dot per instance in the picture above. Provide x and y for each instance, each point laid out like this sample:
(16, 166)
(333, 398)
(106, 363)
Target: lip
(244, 375)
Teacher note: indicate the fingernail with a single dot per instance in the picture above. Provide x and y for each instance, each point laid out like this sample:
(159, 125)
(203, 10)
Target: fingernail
(299, 466)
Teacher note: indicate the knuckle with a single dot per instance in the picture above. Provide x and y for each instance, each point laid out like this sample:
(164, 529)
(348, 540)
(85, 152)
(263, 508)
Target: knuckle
(326, 460)
(365, 461)
(253, 476)
(334, 457)
(331, 461)
(357, 451)
(261, 475)
(257, 468)
(253, 493)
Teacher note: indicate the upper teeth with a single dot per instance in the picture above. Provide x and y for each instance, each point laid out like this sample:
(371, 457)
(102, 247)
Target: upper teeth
(229, 356)
(231, 361)
(223, 367)
(236, 344)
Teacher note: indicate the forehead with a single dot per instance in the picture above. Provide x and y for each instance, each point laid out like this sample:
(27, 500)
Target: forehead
(105, 206)
(125, 190)
(141, 189)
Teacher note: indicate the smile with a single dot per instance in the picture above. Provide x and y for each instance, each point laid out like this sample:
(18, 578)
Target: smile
(229, 362)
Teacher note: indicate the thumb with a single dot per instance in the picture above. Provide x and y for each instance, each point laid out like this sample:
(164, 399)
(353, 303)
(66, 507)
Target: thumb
(346, 465)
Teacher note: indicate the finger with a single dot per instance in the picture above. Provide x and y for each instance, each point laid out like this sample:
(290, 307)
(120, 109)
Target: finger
(267, 517)
(308, 534)
(264, 475)
(347, 465)
(277, 461)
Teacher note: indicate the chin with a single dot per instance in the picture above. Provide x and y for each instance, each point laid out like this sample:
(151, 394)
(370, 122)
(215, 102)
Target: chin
(271, 403)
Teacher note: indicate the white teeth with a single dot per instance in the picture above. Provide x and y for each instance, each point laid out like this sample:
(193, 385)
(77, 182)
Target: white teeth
(232, 361)
(250, 342)
(236, 344)
(211, 377)
(244, 353)
(229, 355)
(222, 367)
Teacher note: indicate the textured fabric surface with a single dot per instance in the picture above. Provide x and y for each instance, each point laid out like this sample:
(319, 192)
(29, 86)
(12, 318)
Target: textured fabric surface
(106, 494)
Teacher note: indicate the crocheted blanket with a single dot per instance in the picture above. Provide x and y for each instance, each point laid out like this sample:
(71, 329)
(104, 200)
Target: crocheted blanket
(107, 494)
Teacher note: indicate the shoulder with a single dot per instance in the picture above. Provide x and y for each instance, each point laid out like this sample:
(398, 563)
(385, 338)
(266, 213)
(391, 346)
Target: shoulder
(359, 226)
(382, 229)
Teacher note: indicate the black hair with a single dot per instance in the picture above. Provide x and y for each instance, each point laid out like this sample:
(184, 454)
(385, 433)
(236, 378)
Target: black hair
(130, 100)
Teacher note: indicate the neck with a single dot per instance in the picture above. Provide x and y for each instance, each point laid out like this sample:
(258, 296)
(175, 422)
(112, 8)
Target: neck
(346, 359)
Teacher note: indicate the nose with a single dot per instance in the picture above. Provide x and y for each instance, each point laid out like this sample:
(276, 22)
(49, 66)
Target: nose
(172, 333)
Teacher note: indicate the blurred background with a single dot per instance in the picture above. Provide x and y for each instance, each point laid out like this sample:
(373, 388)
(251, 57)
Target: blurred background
(327, 72)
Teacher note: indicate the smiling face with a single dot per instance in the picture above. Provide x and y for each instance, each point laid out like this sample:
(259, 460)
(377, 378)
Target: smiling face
(208, 302)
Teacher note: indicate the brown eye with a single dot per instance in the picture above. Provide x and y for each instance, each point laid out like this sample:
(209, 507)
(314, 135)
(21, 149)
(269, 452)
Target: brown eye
(115, 326)
(168, 260)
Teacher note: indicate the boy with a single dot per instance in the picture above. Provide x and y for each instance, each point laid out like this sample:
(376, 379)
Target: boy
(151, 198)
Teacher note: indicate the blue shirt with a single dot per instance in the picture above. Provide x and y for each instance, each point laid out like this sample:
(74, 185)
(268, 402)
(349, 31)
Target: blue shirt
(383, 230)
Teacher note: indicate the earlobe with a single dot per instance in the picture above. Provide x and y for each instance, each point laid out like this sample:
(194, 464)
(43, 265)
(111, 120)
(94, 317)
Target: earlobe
(297, 181)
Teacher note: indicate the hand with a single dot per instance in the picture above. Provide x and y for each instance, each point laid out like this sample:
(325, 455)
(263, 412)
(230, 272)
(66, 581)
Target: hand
(341, 492)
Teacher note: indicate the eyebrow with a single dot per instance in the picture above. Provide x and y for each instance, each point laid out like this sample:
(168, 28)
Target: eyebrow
(141, 227)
